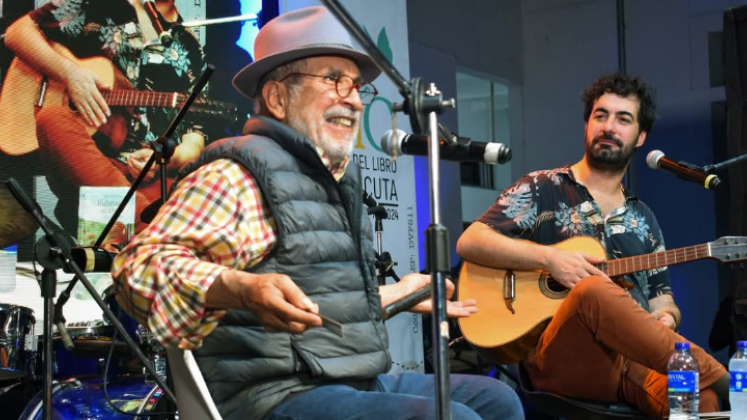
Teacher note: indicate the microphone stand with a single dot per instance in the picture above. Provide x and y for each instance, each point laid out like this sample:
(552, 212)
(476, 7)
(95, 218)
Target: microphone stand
(384, 263)
(422, 105)
(53, 252)
(163, 149)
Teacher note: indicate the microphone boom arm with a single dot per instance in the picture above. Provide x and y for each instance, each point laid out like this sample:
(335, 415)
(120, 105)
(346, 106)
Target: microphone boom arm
(715, 167)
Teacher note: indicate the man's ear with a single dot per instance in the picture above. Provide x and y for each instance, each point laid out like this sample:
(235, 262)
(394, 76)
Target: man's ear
(276, 99)
(641, 139)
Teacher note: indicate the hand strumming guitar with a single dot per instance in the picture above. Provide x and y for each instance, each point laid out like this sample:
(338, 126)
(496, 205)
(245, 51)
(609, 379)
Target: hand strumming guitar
(83, 86)
(569, 267)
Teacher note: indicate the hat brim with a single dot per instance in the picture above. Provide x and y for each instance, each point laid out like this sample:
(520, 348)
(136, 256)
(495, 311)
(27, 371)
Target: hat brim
(246, 79)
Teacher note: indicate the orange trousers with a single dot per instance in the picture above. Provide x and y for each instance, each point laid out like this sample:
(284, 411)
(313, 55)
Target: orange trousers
(72, 159)
(602, 346)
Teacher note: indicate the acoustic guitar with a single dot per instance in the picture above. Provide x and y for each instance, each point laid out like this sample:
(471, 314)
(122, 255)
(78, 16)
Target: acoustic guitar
(25, 92)
(516, 306)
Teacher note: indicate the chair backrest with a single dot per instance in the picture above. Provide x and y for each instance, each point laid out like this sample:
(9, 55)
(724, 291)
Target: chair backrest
(560, 406)
(192, 396)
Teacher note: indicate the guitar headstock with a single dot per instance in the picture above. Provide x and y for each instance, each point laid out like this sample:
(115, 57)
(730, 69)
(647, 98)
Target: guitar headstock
(729, 249)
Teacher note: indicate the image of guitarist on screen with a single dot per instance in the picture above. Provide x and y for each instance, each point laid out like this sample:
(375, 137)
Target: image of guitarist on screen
(84, 49)
(605, 342)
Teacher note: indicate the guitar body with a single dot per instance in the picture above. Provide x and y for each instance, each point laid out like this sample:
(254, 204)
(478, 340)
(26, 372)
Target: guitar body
(17, 110)
(23, 89)
(497, 333)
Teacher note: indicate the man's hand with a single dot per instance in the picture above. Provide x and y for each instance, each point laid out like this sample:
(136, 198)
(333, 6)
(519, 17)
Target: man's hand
(136, 162)
(116, 236)
(568, 267)
(664, 310)
(278, 302)
(414, 281)
(666, 318)
(83, 87)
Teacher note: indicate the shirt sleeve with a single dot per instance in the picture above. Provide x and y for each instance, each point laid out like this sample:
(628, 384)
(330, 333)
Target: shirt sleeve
(60, 19)
(514, 212)
(215, 220)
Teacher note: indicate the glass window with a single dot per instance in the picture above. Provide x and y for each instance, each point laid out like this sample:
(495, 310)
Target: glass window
(482, 110)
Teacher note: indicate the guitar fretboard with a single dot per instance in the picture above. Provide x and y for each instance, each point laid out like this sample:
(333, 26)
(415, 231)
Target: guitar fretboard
(142, 98)
(629, 265)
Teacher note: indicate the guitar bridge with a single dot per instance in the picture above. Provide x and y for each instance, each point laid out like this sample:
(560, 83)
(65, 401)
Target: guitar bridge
(41, 94)
(509, 290)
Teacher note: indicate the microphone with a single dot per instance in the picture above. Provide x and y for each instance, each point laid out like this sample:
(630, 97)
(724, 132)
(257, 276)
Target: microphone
(91, 260)
(59, 322)
(656, 160)
(465, 150)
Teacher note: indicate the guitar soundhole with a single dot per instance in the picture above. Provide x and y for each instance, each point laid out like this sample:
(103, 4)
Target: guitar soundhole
(551, 288)
(553, 285)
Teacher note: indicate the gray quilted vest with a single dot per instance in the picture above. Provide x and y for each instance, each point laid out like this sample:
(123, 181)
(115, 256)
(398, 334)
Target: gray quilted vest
(324, 243)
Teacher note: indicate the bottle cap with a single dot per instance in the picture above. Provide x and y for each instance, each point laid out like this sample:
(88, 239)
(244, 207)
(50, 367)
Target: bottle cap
(742, 344)
(683, 345)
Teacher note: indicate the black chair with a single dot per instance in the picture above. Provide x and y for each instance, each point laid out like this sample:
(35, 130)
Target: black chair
(555, 405)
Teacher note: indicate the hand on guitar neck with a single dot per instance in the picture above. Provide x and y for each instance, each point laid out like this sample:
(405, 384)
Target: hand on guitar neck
(84, 90)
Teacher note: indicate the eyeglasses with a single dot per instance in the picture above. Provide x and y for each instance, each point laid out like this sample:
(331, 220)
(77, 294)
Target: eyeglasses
(344, 86)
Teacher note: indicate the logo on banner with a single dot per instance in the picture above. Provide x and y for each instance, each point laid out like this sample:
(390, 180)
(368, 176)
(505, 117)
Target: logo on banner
(381, 185)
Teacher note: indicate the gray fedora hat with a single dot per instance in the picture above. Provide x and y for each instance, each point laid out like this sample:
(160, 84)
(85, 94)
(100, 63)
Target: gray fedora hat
(307, 32)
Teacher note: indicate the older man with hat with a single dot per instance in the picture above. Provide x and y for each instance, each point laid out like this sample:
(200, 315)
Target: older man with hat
(266, 231)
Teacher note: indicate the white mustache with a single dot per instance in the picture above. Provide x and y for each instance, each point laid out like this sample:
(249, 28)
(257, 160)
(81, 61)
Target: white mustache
(341, 111)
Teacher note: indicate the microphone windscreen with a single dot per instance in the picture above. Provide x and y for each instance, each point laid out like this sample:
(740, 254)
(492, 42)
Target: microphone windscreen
(391, 144)
(652, 160)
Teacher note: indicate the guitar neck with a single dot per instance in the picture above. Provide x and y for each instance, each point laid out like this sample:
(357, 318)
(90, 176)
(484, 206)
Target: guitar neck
(622, 266)
(119, 97)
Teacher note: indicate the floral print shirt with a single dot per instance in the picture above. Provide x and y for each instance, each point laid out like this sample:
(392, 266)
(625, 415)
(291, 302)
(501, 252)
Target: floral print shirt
(549, 206)
(110, 28)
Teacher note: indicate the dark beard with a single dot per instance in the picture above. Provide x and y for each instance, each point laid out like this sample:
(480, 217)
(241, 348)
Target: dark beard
(606, 159)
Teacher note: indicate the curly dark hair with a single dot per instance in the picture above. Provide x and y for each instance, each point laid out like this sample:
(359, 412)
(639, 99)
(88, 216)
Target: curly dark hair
(623, 85)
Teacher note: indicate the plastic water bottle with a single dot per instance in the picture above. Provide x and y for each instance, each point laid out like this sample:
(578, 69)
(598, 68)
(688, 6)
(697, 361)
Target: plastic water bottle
(684, 389)
(738, 382)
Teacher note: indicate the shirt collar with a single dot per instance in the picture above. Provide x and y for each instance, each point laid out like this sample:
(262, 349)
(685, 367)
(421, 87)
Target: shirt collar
(566, 170)
(337, 170)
